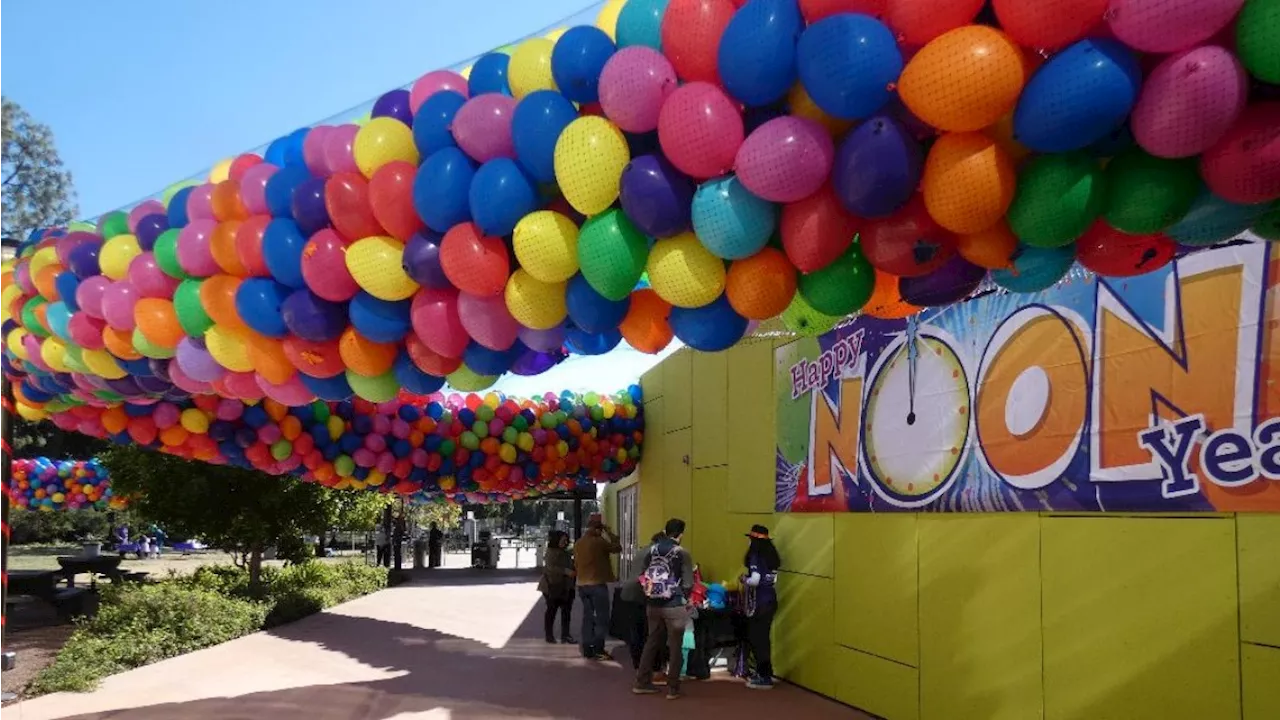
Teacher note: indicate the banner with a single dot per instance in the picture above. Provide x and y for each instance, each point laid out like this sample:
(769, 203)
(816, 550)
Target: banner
(1157, 393)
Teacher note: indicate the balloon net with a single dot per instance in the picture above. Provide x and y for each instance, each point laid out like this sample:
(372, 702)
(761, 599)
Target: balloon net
(48, 485)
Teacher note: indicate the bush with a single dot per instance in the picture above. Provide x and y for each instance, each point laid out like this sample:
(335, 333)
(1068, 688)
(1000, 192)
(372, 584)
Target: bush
(64, 526)
(301, 590)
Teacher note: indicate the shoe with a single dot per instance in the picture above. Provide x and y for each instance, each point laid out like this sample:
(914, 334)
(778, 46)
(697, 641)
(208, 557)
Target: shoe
(760, 683)
(551, 640)
(567, 640)
(673, 693)
(659, 678)
(600, 657)
(648, 689)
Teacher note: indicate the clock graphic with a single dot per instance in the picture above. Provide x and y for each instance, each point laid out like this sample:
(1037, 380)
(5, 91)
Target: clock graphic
(915, 432)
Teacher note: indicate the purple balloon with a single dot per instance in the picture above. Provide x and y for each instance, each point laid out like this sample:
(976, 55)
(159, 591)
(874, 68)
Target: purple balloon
(311, 317)
(532, 362)
(394, 104)
(83, 261)
(197, 363)
(125, 386)
(159, 368)
(153, 385)
(422, 260)
(877, 167)
(656, 196)
(308, 206)
(149, 228)
(954, 281)
(542, 340)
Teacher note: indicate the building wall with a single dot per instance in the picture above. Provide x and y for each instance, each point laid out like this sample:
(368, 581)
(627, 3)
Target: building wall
(959, 616)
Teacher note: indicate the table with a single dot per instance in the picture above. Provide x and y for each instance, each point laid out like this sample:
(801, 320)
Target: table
(36, 583)
(108, 565)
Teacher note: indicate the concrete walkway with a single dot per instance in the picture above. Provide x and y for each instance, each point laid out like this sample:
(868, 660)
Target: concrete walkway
(459, 644)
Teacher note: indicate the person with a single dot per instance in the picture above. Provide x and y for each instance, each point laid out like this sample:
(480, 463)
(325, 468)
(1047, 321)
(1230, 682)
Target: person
(667, 582)
(383, 545)
(760, 602)
(632, 596)
(556, 586)
(435, 546)
(144, 547)
(595, 572)
(399, 531)
(160, 539)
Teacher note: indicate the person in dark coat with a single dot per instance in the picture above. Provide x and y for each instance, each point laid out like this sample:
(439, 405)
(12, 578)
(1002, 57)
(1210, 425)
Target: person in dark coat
(556, 586)
(760, 602)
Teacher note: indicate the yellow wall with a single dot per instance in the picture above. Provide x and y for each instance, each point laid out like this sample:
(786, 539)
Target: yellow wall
(959, 616)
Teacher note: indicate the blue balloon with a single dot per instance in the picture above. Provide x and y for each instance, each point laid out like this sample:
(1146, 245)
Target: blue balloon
(1079, 96)
(258, 303)
(847, 63)
(577, 59)
(255, 416)
(394, 104)
(877, 167)
(710, 328)
(489, 74)
(308, 208)
(177, 212)
(536, 124)
(332, 389)
(757, 54)
(149, 228)
(57, 315)
(1213, 220)
(441, 189)
(432, 121)
(293, 147)
(581, 342)
(501, 193)
(66, 283)
(731, 222)
(381, 321)
(282, 245)
(640, 23)
(489, 362)
(313, 318)
(280, 189)
(412, 378)
(591, 311)
(275, 151)
(1035, 269)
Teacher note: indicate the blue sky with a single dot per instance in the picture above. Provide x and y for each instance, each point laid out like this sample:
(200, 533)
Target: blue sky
(145, 93)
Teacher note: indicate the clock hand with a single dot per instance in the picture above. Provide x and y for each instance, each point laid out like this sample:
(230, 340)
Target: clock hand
(913, 355)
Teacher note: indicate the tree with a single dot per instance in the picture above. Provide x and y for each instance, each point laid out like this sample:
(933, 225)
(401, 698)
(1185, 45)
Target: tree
(44, 439)
(37, 188)
(445, 516)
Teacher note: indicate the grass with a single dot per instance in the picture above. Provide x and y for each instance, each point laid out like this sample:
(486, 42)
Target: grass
(45, 557)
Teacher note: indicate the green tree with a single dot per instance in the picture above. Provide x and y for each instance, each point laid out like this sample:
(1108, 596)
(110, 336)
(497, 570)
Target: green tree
(37, 188)
(445, 516)
(44, 439)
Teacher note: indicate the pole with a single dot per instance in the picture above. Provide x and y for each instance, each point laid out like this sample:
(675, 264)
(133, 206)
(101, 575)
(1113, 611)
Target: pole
(577, 516)
(6, 470)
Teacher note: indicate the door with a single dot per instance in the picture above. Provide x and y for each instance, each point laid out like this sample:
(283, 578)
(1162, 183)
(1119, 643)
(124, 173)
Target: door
(627, 520)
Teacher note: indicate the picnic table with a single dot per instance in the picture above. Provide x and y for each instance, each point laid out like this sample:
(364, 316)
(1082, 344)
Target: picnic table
(42, 585)
(108, 565)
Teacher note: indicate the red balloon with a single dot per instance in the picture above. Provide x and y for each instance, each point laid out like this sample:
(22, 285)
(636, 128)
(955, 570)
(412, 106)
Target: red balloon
(916, 22)
(816, 230)
(1244, 166)
(691, 31)
(317, 359)
(434, 314)
(815, 10)
(346, 197)
(240, 164)
(427, 360)
(1048, 24)
(1109, 252)
(249, 245)
(908, 243)
(391, 198)
(474, 262)
(324, 267)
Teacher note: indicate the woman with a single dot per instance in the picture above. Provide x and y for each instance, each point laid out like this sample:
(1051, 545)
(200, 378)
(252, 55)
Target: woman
(556, 585)
(760, 602)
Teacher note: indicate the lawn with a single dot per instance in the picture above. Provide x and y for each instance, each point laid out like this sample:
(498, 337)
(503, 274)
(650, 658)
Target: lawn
(45, 557)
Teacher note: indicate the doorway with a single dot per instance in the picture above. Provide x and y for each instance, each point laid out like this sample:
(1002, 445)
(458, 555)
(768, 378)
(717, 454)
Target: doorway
(627, 521)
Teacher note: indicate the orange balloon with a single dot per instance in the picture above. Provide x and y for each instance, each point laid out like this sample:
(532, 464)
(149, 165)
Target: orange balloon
(268, 358)
(45, 282)
(222, 245)
(646, 327)
(174, 435)
(1002, 132)
(364, 356)
(290, 427)
(120, 343)
(249, 235)
(218, 298)
(992, 248)
(158, 322)
(968, 182)
(226, 202)
(964, 80)
(801, 105)
(886, 301)
(762, 285)
(275, 410)
(114, 420)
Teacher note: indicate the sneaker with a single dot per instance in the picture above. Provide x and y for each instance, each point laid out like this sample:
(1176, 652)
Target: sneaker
(648, 689)
(673, 693)
(602, 657)
(760, 683)
(551, 640)
(660, 678)
(567, 640)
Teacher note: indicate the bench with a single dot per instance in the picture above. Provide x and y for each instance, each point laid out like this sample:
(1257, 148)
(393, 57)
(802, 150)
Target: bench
(75, 602)
(136, 576)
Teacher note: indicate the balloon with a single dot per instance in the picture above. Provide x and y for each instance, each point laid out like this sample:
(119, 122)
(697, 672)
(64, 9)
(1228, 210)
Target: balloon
(116, 254)
(1211, 220)
(536, 125)
(1147, 194)
(580, 342)
(467, 380)
(577, 60)
(83, 260)
(968, 182)
(283, 245)
(1112, 253)
(313, 150)
(640, 23)
(815, 231)
(441, 189)
(634, 85)
(992, 248)
(756, 60)
(1244, 165)
(308, 205)
(1189, 101)
(324, 267)
(156, 320)
(434, 315)
(1058, 198)
(118, 302)
(149, 228)
(533, 303)
(1165, 26)
(258, 303)
(411, 378)
(312, 318)
(374, 388)
(1078, 96)
(656, 197)
(482, 127)
(1258, 39)
(919, 21)
(878, 167)
(381, 141)
(964, 80)
(589, 159)
(710, 328)
(225, 201)
(761, 286)
(474, 262)
(847, 64)
(529, 69)
(281, 187)
(253, 191)
(841, 287)
(1048, 24)
(431, 124)
(376, 264)
(731, 222)
(394, 104)
(646, 327)
(908, 243)
(199, 207)
(700, 130)
(364, 356)
(190, 313)
(488, 75)
(147, 277)
(435, 82)
(684, 273)
(222, 246)
(546, 245)
(315, 359)
(589, 310)
(886, 301)
(427, 360)
(952, 282)
(487, 320)
(391, 199)
(611, 254)
(339, 149)
(691, 31)
(785, 159)
(1035, 269)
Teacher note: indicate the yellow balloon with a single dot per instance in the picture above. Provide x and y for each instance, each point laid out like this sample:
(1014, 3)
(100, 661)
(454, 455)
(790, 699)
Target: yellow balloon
(801, 105)
(546, 245)
(376, 478)
(684, 273)
(589, 158)
(43, 258)
(194, 420)
(383, 140)
(607, 20)
(556, 34)
(375, 264)
(31, 414)
(82, 226)
(166, 196)
(535, 304)
(221, 171)
(14, 342)
(7, 296)
(229, 348)
(74, 359)
(466, 72)
(102, 364)
(364, 119)
(467, 380)
(53, 351)
(115, 255)
(530, 67)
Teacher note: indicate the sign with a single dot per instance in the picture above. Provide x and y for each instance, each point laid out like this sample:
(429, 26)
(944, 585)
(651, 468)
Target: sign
(1157, 393)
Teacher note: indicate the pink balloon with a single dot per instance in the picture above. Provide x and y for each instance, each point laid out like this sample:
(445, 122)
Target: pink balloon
(482, 127)
(381, 426)
(270, 432)
(786, 159)
(700, 130)
(22, 276)
(194, 254)
(633, 86)
(364, 457)
(166, 415)
(200, 202)
(65, 421)
(86, 331)
(31, 344)
(419, 457)
(1165, 26)
(487, 321)
(253, 187)
(89, 295)
(149, 279)
(186, 382)
(324, 267)
(400, 428)
(338, 155)
(290, 463)
(386, 462)
(1189, 101)
(375, 442)
(143, 209)
(434, 314)
(291, 392)
(313, 150)
(63, 246)
(243, 385)
(228, 409)
(118, 301)
(432, 83)
(1244, 166)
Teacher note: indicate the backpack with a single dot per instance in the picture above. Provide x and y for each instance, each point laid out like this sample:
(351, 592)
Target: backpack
(659, 580)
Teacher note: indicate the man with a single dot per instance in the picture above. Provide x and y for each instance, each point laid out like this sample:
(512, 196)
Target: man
(383, 545)
(595, 572)
(667, 582)
(435, 545)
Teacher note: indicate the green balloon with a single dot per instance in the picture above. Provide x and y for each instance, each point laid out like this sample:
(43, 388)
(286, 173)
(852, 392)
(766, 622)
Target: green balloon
(548, 420)
(469, 440)
(344, 465)
(1058, 198)
(520, 423)
(380, 388)
(841, 287)
(75, 358)
(281, 449)
(166, 252)
(802, 319)
(1258, 39)
(447, 447)
(612, 254)
(186, 304)
(1268, 226)
(320, 409)
(485, 413)
(1146, 194)
(480, 428)
(29, 319)
(150, 349)
(509, 435)
(464, 379)
(115, 223)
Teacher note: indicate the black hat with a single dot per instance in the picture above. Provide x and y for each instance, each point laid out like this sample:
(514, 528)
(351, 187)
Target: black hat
(759, 531)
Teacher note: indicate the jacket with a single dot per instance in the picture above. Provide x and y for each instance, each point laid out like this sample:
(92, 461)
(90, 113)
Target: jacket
(591, 555)
(555, 580)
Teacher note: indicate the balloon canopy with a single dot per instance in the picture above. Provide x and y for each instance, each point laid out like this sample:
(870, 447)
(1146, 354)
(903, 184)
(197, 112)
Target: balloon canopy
(47, 485)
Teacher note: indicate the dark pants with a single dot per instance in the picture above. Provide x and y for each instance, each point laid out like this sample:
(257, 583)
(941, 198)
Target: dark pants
(433, 555)
(758, 627)
(639, 634)
(666, 629)
(563, 605)
(595, 618)
(384, 556)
